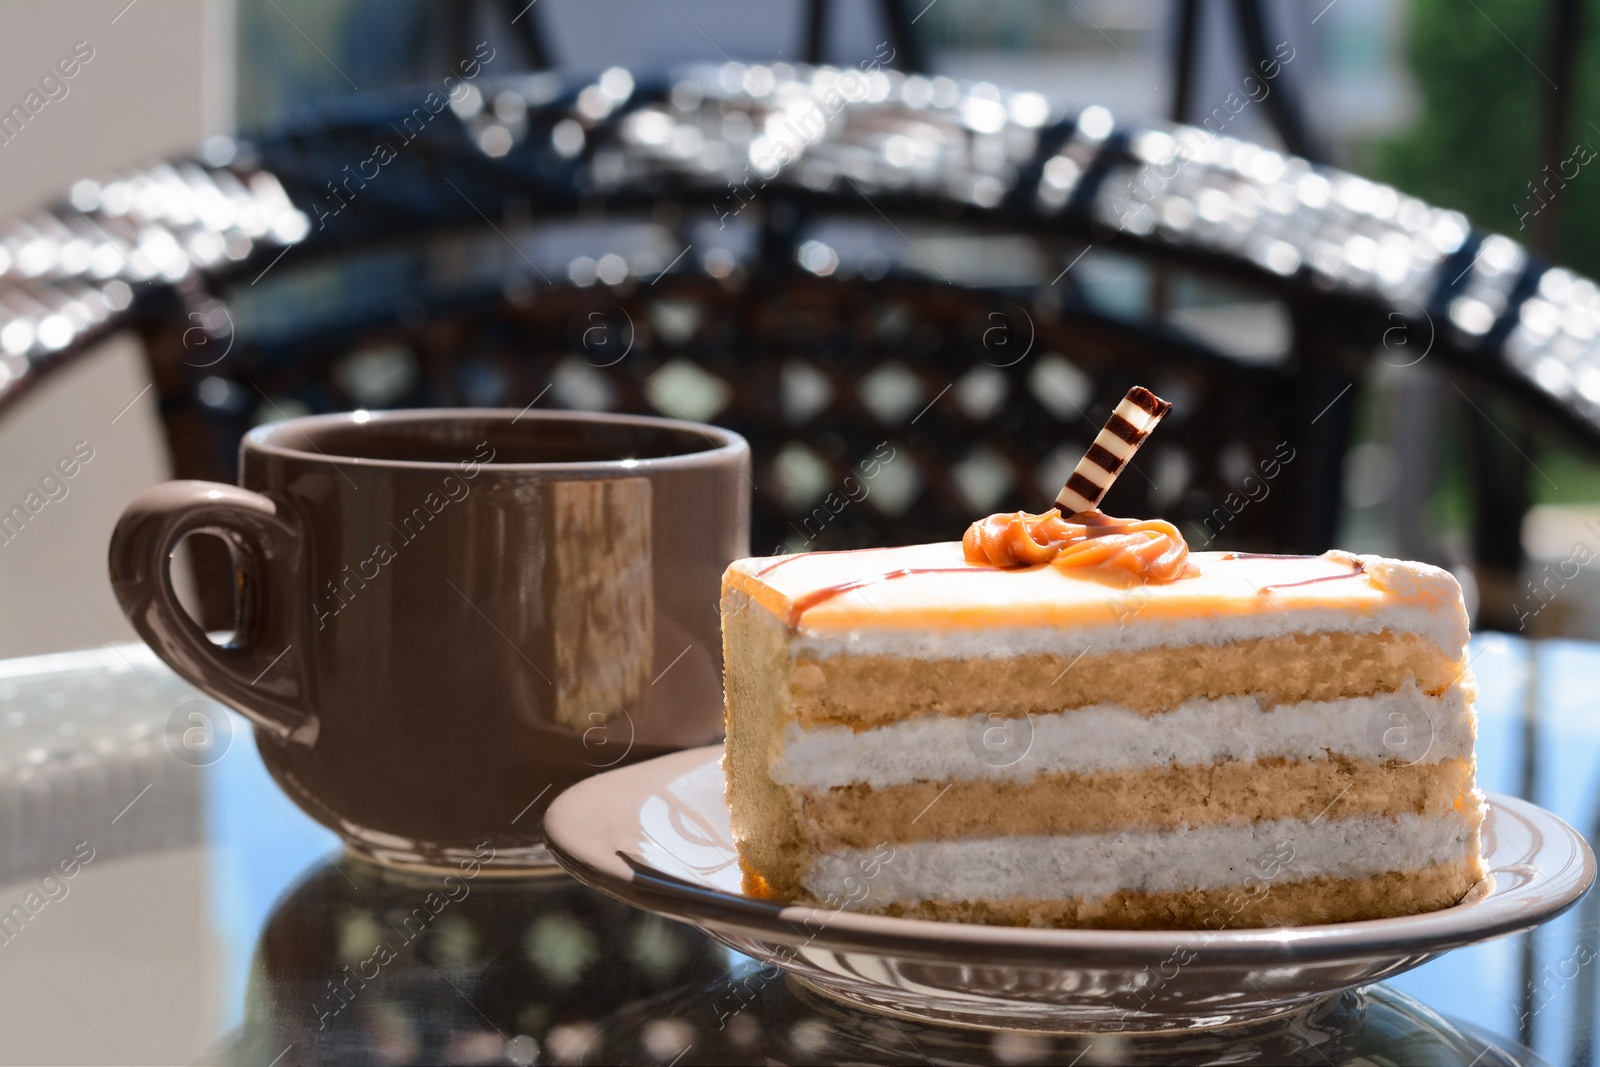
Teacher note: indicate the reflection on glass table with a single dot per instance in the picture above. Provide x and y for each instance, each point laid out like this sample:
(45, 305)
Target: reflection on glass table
(205, 919)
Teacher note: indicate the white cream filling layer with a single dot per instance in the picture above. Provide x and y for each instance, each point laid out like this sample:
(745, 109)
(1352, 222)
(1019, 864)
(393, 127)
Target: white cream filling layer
(1447, 629)
(1093, 866)
(1406, 725)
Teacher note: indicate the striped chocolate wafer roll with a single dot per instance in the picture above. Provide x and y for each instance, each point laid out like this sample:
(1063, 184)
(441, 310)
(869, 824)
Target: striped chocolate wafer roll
(1113, 447)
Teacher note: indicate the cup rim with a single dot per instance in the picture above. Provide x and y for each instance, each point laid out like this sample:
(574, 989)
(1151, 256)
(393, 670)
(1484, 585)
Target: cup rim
(720, 442)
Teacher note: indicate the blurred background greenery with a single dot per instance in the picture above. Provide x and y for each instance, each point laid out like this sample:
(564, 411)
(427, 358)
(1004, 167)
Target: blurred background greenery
(1485, 75)
(1475, 145)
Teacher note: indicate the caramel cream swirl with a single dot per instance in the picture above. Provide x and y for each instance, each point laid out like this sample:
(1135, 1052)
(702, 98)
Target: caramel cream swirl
(1148, 550)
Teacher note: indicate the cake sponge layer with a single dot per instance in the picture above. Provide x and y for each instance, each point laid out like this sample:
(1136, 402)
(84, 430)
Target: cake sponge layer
(860, 817)
(867, 691)
(755, 649)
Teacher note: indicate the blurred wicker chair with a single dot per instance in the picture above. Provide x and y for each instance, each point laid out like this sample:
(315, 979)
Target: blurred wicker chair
(842, 264)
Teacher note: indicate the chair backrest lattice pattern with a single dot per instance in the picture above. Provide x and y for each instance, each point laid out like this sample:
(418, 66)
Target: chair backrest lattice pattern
(879, 412)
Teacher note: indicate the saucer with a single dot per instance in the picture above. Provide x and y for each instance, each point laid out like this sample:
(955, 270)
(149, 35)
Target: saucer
(655, 835)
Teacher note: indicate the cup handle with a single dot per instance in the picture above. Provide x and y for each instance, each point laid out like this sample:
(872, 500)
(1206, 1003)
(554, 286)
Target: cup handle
(260, 671)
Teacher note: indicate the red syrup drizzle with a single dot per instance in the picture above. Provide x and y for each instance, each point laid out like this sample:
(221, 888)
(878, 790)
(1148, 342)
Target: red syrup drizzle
(1357, 568)
(821, 596)
(808, 555)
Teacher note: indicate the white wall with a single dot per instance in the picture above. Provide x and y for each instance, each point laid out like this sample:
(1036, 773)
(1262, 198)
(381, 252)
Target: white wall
(160, 79)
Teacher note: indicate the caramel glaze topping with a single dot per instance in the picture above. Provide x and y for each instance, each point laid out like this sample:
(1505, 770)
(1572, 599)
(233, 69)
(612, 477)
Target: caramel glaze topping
(1147, 550)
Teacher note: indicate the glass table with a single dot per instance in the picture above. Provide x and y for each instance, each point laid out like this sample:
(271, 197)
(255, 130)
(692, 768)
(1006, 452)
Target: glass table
(162, 902)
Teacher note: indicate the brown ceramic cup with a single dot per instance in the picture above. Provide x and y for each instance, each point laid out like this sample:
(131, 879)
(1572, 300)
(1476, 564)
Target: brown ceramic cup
(447, 617)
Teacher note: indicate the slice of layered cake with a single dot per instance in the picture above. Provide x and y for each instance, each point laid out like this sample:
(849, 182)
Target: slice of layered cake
(1077, 722)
